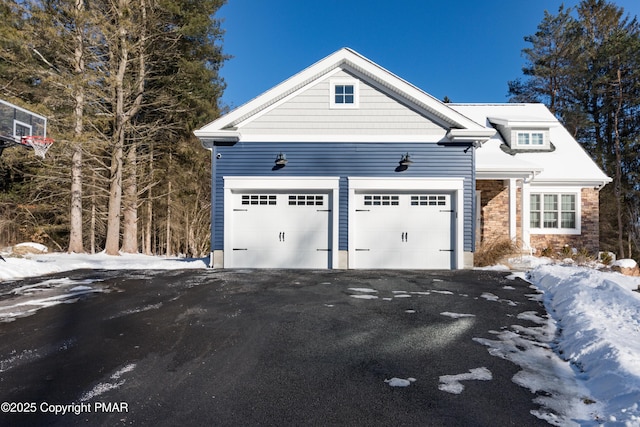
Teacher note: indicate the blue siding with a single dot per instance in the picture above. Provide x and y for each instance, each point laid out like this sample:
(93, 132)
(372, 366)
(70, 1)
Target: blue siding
(343, 160)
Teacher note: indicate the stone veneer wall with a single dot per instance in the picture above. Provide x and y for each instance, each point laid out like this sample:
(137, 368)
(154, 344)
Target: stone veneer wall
(494, 221)
(494, 202)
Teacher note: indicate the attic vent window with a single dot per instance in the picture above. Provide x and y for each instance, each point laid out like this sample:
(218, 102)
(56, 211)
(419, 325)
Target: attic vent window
(528, 139)
(344, 94)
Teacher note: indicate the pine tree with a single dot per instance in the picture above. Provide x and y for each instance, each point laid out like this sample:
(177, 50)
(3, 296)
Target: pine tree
(586, 69)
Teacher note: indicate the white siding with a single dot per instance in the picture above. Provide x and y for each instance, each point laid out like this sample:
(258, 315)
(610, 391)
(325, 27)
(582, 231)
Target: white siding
(309, 113)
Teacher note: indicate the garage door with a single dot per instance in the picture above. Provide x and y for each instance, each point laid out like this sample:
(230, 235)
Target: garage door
(398, 230)
(281, 230)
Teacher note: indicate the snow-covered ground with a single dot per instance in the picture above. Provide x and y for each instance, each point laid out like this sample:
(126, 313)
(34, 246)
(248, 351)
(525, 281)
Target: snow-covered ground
(583, 360)
(38, 265)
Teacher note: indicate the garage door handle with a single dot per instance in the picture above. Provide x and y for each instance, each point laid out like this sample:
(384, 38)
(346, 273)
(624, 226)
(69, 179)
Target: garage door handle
(363, 250)
(324, 210)
(323, 250)
(405, 237)
(240, 210)
(240, 249)
(446, 250)
(281, 236)
(362, 210)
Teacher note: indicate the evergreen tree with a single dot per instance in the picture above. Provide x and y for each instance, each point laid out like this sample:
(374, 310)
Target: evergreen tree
(585, 68)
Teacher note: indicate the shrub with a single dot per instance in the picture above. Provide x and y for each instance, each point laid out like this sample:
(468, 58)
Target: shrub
(489, 253)
(606, 258)
(547, 252)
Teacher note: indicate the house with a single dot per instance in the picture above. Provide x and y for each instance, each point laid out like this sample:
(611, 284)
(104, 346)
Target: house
(346, 165)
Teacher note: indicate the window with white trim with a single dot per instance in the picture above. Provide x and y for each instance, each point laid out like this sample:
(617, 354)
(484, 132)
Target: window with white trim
(553, 211)
(344, 94)
(528, 139)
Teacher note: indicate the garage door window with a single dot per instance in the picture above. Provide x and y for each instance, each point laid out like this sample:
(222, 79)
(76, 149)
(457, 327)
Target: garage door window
(428, 200)
(381, 200)
(258, 199)
(306, 200)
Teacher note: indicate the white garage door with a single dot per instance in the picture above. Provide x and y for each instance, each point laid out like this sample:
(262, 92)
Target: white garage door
(280, 230)
(397, 230)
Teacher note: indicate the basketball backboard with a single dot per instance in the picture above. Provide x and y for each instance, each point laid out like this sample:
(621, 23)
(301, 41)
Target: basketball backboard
(16, 122)
(19, 126)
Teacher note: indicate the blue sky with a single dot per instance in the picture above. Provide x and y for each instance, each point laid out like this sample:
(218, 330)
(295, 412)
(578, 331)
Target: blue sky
(464, 49)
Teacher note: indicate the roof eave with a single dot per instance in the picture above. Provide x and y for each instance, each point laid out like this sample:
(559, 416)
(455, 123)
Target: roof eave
(470, 135)
(209, 138)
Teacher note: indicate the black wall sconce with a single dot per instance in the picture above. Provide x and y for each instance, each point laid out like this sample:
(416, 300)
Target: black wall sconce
(405, 162)
(281, 161)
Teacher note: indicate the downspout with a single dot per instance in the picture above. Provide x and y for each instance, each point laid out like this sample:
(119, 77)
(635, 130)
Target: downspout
(214, 156)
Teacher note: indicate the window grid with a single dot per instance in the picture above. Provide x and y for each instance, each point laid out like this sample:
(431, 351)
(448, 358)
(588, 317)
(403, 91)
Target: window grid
(428, 200)
(344, 94)
(530, 138)
(552, 211)
(258, 199)
(306, 200)
(381, 200)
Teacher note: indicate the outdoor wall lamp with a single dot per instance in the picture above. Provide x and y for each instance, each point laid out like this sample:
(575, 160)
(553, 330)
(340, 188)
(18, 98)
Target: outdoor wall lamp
(405, 160)
(281, 160)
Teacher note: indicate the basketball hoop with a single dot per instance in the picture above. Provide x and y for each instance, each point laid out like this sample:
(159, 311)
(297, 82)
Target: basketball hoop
(40, 144)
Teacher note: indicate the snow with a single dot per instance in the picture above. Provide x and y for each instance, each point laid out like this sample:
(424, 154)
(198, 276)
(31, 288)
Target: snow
(102, 388)
(452, 384)
(400, 382)
(580, 358)
(598, 317)
(625, 263)
(39, 265)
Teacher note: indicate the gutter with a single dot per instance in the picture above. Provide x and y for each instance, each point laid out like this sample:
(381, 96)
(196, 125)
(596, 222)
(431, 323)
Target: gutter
(209, 138)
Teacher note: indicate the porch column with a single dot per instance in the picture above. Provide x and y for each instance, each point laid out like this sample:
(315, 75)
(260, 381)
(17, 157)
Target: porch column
(525, 201)
(512, 209)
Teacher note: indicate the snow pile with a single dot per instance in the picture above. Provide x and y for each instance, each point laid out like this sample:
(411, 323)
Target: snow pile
(38, 265)
(598, 322)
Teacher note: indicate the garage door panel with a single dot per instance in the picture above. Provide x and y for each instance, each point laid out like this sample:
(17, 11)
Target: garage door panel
(403, 230)
(281, 230)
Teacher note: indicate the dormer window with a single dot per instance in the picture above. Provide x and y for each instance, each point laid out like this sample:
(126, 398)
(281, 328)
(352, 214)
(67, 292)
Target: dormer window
(529, 139)
(344, 94)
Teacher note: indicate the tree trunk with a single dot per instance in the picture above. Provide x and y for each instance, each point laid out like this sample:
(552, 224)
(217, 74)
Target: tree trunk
(618, 167)
(168, 248)
(75, 236)
(147, 236)
(123, 92)
(93, 217)
(130, 213)
(75, 214)
(112, 244)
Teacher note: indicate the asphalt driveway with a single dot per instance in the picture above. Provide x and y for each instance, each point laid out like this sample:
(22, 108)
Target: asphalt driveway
(268, 348)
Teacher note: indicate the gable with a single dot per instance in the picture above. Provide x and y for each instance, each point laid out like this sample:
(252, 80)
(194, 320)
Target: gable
(309, 114)
(262, 116)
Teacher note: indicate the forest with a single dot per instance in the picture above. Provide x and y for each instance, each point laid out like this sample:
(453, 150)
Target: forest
(125, 82)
